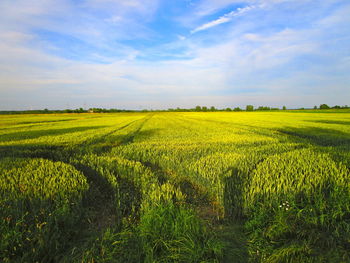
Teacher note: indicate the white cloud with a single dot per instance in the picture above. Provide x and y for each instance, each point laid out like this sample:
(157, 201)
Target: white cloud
(224, 19)
(95, 22)
(240, 60)
(207, 7)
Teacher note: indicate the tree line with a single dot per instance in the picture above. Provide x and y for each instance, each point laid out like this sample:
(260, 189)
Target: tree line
(195, 109)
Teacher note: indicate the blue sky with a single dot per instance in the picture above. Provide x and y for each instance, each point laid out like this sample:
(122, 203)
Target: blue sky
(138, 54)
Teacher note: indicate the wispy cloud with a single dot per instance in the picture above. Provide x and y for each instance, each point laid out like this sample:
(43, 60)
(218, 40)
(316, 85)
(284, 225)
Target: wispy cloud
(208, 7)
(224, 19)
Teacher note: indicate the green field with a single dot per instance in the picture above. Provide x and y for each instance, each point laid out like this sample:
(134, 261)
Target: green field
(175, 187)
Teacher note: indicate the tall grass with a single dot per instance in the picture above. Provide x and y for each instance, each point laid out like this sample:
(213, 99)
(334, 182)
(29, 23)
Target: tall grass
(40, 207)
(298, 208)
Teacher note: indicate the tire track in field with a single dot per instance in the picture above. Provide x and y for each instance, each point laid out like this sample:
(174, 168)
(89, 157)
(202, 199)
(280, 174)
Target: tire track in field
(103, 137)
(231, 234)
(129, 138)
(101, 144)
(245, 127)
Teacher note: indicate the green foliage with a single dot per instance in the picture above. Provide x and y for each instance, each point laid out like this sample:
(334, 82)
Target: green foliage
(166, 233)
(249, 108)
(302, 197)
(263, 108)
(112, 245)
(41, 203)
(324, 107)
(175, 234)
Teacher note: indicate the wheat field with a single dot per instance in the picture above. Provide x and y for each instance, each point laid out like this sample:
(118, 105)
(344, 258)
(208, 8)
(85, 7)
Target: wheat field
(175, 187)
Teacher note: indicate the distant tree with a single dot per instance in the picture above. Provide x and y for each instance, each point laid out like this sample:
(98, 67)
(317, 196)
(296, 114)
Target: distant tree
(324, 107)
(96, 110)
(212, 108)
(263, 108)
(228, 109)
(237, 109)
(284, 108)
(315, 107)
(204, 108)
(249, 108)
(336, 107)
(198, 108)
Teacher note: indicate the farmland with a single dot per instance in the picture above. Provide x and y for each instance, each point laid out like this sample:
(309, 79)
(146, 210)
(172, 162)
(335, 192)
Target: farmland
(175, 187)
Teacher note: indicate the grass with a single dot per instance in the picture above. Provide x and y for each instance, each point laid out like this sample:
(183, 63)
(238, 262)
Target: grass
(175, 187)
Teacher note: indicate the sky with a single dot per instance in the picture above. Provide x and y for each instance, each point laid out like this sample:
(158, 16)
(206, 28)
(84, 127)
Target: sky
(159, 54)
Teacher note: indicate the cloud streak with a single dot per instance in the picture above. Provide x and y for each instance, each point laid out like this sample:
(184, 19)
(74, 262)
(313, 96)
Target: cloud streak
(224, 19)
